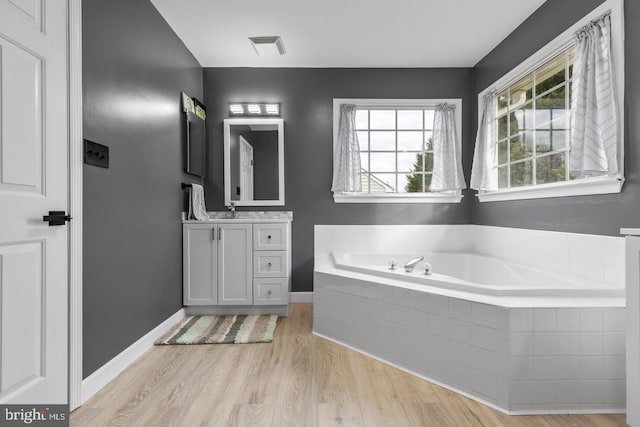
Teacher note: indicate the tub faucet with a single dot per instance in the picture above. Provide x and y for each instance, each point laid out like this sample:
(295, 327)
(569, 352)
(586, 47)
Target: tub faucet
(411, 264)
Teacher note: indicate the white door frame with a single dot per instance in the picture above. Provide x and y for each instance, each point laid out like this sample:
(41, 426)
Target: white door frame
(246, 178)
(75, 202)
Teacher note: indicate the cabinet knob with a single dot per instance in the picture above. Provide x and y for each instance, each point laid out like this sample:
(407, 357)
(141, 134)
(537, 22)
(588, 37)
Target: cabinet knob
(269, 266)
(269, 292)
(269, 236)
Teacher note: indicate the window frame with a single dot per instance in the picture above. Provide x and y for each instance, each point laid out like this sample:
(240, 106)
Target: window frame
(583, 186)
(444, 197)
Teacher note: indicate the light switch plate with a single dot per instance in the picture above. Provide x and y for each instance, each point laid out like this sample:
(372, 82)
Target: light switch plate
(96, 154)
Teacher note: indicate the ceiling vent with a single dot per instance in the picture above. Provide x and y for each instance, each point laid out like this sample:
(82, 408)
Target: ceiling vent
(268, 46)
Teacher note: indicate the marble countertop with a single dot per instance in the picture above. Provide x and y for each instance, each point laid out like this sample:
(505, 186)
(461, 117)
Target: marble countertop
(246, 216)
(630, 231)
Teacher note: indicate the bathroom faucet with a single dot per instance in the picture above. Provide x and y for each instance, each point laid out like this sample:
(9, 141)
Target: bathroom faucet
(411, 264)
(232, 208)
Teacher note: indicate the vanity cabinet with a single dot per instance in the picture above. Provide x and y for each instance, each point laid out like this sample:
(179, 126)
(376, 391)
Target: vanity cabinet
(236, 267)
(216, 264)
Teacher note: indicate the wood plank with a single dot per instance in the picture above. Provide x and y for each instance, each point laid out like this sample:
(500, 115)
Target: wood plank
(250, 415)
(333, 378)
(378, 401)
(331, 414)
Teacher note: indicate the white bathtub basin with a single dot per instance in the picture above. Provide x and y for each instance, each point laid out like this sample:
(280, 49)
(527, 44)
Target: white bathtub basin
(471, 272)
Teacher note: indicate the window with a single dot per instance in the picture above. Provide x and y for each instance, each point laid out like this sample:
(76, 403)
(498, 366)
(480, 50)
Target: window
(396, 151)
(533, 116)
(533, 125)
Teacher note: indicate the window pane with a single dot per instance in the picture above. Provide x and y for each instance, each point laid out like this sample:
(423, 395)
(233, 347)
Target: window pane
(364, 161)
(383, 183)
(410, 162)
(428, 162)
(521, 173)
(551, 74)
(503, 177)
(543, 141)
(543, 119)
(521, 92)
(502, 102)
(382, 119)
(383, 162)
(428, 119)
(414, 183)
(364, 181)
(362, 119)
(521, 145)
(560, 119)
(502, 127)
(363, 140)
(550, 168)
(410, 141)
(410, 119)
(427, 182)
(428, 141)
(559, 139)
(552, 100)
(383, 141)
(521, 120)
(503, 153)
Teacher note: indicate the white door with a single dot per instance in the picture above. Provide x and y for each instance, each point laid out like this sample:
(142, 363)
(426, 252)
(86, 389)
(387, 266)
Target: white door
(235, 266)
(246, 170)
(33, 180)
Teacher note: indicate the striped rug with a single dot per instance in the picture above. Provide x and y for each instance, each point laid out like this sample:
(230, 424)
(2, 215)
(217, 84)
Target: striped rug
(231, 329)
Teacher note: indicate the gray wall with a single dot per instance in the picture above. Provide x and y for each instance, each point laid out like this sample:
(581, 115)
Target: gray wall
(306, 97)
(602, 214)
(134, 68)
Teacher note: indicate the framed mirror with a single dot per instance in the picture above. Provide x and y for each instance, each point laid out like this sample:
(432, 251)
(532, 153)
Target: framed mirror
(195, 156)
(254, 162)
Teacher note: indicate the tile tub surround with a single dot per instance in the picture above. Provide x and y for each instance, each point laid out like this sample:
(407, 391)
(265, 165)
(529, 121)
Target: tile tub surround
(520, 356)
(518, 360)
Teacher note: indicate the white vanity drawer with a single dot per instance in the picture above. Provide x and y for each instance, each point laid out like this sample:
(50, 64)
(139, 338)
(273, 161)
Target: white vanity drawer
(270, 237)
(270, 264)
(270, 291)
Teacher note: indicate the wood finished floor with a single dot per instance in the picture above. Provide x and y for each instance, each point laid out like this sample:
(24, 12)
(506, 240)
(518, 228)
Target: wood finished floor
(297, 380)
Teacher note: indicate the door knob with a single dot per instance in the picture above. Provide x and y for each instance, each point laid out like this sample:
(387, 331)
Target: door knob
(56, 218)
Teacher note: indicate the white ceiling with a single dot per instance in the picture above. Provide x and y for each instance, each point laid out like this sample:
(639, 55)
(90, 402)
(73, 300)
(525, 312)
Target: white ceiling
(345, 33)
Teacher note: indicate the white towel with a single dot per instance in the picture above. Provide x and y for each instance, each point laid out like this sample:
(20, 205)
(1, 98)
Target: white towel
(197, 202)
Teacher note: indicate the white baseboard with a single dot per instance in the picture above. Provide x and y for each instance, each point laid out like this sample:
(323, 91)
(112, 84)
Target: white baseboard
(107, 372)
(301, 297)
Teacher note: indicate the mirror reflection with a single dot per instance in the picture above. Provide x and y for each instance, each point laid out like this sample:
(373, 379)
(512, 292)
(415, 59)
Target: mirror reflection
(253, 162)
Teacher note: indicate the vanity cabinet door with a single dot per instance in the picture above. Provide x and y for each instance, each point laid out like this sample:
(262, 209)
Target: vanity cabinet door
(235, 264)
(200, 261)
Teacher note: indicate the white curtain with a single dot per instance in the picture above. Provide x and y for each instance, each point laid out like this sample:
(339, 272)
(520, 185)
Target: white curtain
(346, 163)
(594, 121)
(483, 175)
(447, 159)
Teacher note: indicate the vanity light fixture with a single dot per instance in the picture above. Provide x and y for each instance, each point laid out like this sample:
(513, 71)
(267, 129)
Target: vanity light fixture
(254, 109)
(268, 46)
(236, 108)
(272, 109)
